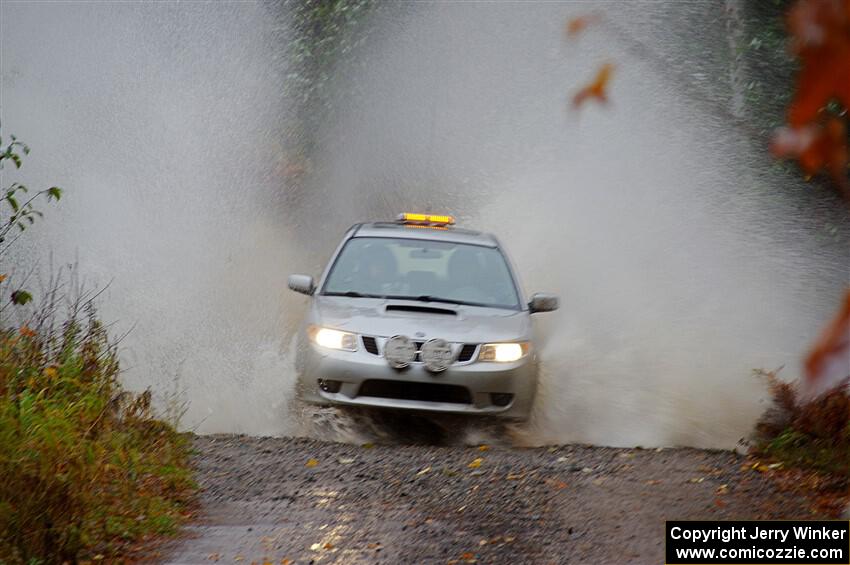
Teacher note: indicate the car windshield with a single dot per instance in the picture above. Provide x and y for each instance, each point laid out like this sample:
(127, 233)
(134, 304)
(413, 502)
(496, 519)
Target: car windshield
(421, 269)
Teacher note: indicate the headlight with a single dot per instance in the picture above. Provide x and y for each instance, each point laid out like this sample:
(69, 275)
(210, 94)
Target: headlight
(332, 339)
(503, 352)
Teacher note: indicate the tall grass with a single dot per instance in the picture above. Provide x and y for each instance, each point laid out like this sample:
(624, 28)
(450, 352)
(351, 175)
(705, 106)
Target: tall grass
(85, 468)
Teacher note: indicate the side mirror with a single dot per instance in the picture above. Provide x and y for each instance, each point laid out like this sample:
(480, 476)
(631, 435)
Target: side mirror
(302, 284)
(542, 302)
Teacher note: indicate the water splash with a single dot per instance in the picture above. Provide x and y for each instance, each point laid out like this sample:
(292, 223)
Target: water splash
(683, 261)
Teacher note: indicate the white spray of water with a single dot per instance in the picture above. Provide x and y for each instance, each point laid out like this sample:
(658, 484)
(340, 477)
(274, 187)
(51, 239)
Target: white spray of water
(681, 265)
(164, 122)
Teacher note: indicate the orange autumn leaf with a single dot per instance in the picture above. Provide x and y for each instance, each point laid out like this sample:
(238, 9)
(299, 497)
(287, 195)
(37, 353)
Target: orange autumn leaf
(827, 362)
(815, 137)
(578, 24)
(26, 331)
(820, 33)
(596, 89)
(816, 147)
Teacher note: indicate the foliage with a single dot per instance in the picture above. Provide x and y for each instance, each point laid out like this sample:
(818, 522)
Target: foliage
(808, 433)
(816, 132)
(326, 33)
(86, 468)
(17, 206)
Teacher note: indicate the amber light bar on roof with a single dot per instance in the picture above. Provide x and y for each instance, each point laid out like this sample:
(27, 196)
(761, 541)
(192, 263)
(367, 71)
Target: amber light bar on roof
(425, 219)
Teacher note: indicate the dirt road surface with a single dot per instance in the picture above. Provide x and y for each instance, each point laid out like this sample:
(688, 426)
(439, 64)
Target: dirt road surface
(283, 500)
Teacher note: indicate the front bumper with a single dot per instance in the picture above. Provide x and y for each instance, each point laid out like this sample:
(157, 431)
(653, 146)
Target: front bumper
(365, 379)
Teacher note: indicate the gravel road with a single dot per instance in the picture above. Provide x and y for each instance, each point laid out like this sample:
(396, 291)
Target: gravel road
(285, 500)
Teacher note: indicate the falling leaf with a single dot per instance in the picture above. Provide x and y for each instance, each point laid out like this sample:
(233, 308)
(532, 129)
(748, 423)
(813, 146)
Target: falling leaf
(578, 24)
(2, 278)
(312, 462)
(483, 447)
(21, 297)
(597, 89)
(476, 463)
(826, 363)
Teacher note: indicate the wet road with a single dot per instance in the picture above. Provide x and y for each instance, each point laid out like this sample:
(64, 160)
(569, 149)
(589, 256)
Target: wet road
(282, 500)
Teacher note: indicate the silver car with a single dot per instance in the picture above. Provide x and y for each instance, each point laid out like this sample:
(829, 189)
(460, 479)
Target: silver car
(419, 315)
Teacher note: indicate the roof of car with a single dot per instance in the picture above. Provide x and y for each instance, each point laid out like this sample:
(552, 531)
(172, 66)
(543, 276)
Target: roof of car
(396, 229)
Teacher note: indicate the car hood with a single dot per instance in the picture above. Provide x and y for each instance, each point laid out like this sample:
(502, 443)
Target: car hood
(415, 319)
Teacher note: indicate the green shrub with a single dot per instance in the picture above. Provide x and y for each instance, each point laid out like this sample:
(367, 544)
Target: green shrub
(85, 466)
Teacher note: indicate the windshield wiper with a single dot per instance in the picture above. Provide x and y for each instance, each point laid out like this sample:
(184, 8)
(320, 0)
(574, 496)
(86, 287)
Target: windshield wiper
(354, 294)
(429, 298)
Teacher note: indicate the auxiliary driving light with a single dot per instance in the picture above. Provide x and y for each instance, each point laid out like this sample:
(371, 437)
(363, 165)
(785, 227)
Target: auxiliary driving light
(399, 351)
(436, 354)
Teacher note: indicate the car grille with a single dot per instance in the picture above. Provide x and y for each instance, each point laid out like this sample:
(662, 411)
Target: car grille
(466, 352)
(426, 392)
(371, 344)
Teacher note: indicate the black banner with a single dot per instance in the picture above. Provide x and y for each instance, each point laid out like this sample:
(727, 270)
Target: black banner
(758, 543)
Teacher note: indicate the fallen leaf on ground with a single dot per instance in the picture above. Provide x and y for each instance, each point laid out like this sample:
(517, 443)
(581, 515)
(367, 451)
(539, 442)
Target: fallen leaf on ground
(483, 447)
(476, 463)
(424, 471)
(312, 462)
(346, 460)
